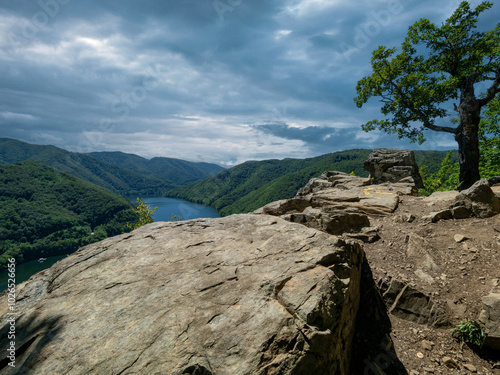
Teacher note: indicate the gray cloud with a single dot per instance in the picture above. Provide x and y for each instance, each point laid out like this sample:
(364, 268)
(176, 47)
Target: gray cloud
(186, 79)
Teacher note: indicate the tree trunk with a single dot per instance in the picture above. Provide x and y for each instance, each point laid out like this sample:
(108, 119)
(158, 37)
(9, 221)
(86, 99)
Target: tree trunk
(468, 150)
(466, 135)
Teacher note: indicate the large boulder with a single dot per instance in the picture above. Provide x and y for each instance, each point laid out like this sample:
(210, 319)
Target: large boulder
(245, 294)
(490, 317)
(392, 165)
(479, 200)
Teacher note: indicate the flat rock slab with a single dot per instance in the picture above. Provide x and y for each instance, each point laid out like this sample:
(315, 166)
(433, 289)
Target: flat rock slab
(245, 294)
(343, 191)
(375, 199)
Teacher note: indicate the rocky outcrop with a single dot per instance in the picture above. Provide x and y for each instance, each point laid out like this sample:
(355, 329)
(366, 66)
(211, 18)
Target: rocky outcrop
(392, 165)
(245, 294)
(338, 203)
(477, 201)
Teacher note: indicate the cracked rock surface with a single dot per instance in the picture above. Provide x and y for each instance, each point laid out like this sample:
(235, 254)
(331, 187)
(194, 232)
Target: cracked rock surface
(245, 294)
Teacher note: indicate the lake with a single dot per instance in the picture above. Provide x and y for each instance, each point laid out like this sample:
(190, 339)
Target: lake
(178, 207)
(166, 208)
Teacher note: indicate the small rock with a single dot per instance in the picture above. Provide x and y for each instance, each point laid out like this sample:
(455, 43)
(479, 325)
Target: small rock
(470, 367)
(426, 344)
(449, 362)
(414, 372)
(459, 238)
(434, 217)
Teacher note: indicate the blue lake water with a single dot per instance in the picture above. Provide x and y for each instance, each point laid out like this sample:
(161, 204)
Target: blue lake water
(178, 207)
(166, 208)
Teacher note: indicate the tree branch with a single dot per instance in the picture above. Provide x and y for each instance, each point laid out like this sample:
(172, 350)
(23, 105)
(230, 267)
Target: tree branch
(437, 128)
(492, 90)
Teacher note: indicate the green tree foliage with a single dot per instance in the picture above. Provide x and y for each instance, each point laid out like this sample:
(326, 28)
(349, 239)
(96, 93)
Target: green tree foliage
(145, 214)
(44, 212)
(437, 65)
(489, 140)
(445, 179)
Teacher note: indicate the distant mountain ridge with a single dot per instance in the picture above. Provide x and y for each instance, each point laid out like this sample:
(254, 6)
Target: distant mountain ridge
(253, 184)
(180, 171)
(121, 173)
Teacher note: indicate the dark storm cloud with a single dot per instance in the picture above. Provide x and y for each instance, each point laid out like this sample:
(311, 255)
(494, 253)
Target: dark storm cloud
(193, 77)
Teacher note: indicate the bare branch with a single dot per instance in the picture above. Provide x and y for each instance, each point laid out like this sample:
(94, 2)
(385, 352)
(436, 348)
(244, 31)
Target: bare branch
(437, 128)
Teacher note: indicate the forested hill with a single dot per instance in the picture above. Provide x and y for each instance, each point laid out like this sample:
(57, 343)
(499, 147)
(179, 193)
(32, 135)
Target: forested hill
(181, 171)
(253, 184)
(45, 212)
(118, 172)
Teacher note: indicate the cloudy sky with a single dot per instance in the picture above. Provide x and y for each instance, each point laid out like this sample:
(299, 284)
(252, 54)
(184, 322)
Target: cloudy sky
(220, 81)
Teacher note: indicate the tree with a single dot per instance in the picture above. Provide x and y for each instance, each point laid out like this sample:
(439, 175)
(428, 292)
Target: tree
(436, 67)
(145, 214)
(489, 145)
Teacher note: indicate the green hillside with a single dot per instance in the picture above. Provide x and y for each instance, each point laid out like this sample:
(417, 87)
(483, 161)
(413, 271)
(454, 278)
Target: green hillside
(253, 184)
(250, 185)
(45, 212)
(118, 172)
(180, 171)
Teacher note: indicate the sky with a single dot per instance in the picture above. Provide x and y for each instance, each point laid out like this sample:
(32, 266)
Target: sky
(219, 81)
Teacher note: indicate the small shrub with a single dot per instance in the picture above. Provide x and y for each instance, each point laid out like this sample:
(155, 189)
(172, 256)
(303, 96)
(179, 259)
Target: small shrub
(175, 218)
(470, 332)
(145, 214)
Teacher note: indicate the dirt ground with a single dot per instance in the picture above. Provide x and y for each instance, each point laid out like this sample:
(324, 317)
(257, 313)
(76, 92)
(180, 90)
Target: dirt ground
(467, 269)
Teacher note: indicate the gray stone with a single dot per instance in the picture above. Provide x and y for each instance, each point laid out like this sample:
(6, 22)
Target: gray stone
(392, 165)
(434, 217)
(330, 179)
(420, 251)
(366, 234)
(449, 362)
(482, 200)
(470, 367)
(283, 207)
(244, 294)
(461, 212)
(410, 304)
(490, 317)
(459, 238)
(404, 218)
(331, 219)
